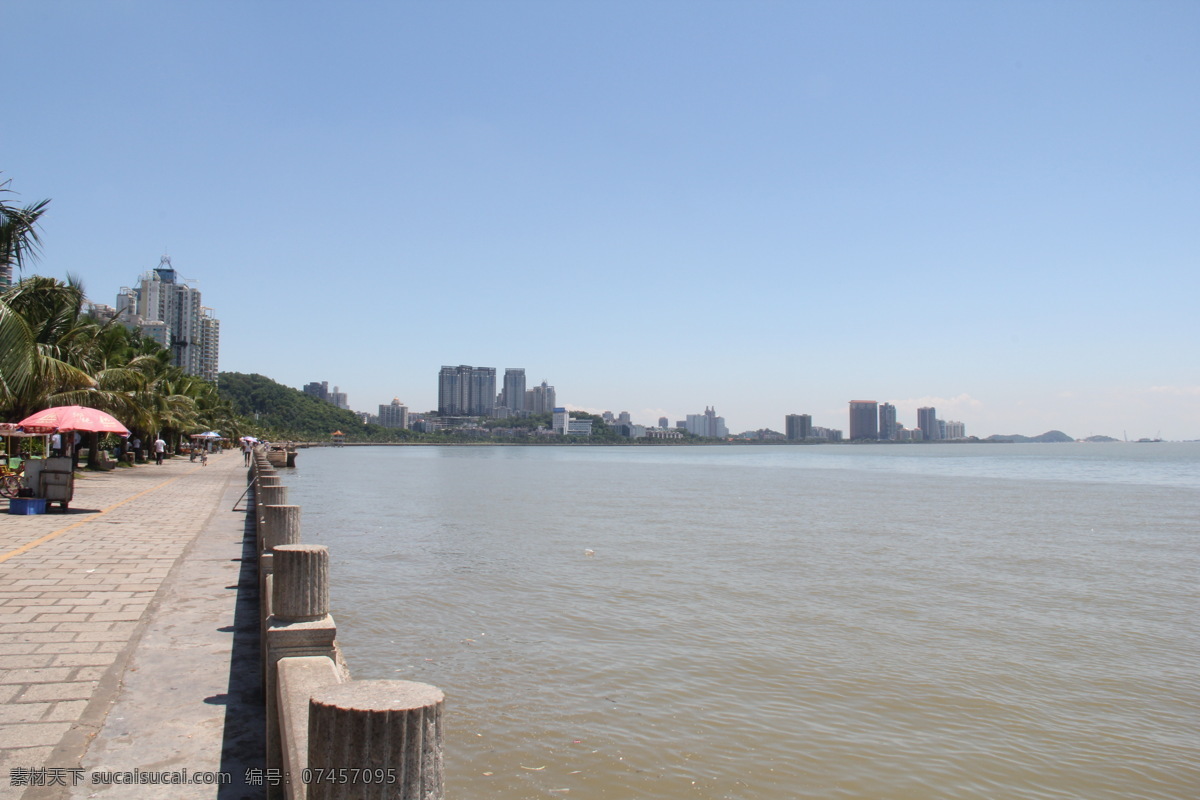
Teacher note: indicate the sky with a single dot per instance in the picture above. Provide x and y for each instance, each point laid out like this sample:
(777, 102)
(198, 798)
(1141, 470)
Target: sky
(768, 208)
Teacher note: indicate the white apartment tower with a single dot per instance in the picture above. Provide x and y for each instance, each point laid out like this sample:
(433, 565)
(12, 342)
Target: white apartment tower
(707, 424)
(170, 312)
(394, 415)
(210, 345)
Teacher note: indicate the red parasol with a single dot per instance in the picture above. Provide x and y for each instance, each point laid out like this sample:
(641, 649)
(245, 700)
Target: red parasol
(73, 418)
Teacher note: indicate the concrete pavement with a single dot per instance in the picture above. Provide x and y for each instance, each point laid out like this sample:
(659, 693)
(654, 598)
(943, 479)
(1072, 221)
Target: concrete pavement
(129, 639)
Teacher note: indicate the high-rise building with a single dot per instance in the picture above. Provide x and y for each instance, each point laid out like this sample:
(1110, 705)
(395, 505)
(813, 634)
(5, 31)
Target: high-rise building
(482, 397)
(393, 415)
(540, 399)
(156, 331)
(955, 430)
(321, 392)
(887, 421)
(127, 305)
(664, 423)
(169, 311)
(798, 427)
(927, 421)
(466, 391)
(317, 390)
(210, 345)
(864, 419)
(454, 384)
(707, 424)
(512, 396)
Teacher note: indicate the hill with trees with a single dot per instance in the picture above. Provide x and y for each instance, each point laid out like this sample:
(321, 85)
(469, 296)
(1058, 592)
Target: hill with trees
(279, 412)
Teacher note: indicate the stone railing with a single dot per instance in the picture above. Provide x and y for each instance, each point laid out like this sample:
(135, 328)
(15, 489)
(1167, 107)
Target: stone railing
(329, 737)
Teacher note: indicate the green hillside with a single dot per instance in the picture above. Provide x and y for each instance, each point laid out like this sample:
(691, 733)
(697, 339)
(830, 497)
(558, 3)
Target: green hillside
(280, 412)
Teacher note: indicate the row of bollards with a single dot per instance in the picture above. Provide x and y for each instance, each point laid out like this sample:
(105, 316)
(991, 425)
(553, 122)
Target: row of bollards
(362, 739)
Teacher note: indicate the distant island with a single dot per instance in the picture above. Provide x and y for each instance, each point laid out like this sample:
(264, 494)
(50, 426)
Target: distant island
(1048, 436)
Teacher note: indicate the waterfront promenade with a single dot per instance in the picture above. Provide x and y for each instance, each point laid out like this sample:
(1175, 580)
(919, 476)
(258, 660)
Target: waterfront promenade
(129, 638)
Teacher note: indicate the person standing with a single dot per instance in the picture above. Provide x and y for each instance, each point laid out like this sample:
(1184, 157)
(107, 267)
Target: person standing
(160, 447)
(56, 445)
(247, 451)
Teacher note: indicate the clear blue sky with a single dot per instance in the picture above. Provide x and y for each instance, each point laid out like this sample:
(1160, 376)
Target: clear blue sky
(769, 208)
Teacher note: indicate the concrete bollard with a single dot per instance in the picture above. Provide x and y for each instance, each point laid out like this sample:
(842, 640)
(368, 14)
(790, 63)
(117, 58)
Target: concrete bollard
(299, 625)
(282, 526)
(301, 591)
(264, 479)
(267, 496)
(387, 730)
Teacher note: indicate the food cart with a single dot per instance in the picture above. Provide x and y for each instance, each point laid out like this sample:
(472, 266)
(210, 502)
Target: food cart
(53, 479)
(56, 481)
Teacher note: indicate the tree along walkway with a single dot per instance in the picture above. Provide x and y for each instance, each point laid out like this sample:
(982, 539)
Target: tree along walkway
(128, 632)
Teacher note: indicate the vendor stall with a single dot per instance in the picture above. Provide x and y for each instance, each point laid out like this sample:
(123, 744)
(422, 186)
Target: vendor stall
(53, 479)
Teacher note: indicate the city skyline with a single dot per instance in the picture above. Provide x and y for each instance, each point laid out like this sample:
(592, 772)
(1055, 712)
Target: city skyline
(463, 389)
(772, 208)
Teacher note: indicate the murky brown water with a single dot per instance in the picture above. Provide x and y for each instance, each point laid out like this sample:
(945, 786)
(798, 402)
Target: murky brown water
(781, 622)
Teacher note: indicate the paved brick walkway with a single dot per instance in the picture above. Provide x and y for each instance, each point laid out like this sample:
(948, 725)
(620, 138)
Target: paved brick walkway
(78, 590)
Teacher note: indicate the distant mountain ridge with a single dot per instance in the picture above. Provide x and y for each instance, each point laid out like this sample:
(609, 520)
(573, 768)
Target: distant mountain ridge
(1048, 436)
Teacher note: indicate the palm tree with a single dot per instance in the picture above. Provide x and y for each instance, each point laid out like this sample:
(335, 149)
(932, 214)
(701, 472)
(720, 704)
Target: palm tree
(45, 343)
(19, 241)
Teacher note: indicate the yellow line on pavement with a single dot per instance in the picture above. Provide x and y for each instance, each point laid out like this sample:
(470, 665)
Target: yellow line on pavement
(30, 545)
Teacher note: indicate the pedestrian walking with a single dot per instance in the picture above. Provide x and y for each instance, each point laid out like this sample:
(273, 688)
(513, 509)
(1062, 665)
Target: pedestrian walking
(160, 448)
(247, 451)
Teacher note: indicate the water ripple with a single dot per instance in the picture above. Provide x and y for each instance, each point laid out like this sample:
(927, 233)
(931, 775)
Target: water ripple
(748, 627)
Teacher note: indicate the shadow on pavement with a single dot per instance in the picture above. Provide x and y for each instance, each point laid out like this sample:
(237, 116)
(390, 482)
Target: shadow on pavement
(244, 742)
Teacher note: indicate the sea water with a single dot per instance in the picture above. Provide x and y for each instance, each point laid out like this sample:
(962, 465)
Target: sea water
(919, 621)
